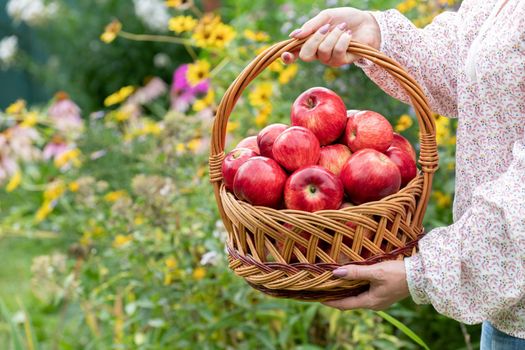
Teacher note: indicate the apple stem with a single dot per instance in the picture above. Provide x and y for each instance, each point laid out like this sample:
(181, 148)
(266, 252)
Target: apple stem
(312, 102)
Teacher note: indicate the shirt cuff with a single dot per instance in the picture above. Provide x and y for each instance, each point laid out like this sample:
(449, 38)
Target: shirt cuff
(415, 279)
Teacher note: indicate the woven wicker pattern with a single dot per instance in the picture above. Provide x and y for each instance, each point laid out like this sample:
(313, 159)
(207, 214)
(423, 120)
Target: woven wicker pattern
(291, 253)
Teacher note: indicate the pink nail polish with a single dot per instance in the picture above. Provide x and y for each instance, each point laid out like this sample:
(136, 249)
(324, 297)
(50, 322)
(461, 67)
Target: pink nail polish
(339, 272)
(295, 32)
(342, 26)
(349, 32)
(324, 29)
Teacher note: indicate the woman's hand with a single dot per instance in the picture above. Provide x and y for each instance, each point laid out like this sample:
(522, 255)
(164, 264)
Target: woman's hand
(334, 28)
(387, 285)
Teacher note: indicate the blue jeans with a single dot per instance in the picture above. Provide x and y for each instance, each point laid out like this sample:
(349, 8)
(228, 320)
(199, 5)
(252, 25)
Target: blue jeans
(493, 339)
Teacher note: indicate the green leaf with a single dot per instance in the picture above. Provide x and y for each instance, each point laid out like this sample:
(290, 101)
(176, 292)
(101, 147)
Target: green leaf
(396, 323)
(15, 333)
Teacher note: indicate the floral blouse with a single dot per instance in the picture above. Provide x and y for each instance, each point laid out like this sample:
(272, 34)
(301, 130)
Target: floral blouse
(471, 65)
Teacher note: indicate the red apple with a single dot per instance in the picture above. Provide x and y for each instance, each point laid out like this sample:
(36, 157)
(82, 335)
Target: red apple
(232, 162)
(313, 188)
(267, 136)
(249, 142)
(322, 111)
(369, 176)
(333, 157)
(260, 181)
(404, 144)
(405, 163)
(296, 147)
(368, 129)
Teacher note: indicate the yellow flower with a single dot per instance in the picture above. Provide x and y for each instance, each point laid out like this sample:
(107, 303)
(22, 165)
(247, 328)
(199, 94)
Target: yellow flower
(198, 71)
(199, 273)
(114, 196)
(276, 66)
(54, 190)
(232, 126)
(443, 200)
(212, 33)
(16, 107)
(256, 36)
(182, 4)
(122, 240)
(171, 263)
(14, 182)
(85, 240)
(261, 49)
(406, 6)
(451, 166)
(180, 148)
(442, 129)
(119, 96)
(139, 220)
(205, 102)
(404, 122)
(43, 212)
(288, 73)
(150, 127)
(173, 3)
(74, 186)
(30, 120)
(261, 94)
(262, 118)
(182, 24)
(194, 144)
(68, 157)
(121, 115)
(111, 31)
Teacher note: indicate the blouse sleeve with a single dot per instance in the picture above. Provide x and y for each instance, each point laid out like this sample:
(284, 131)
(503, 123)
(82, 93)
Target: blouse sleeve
(475, 269)
(429, 55)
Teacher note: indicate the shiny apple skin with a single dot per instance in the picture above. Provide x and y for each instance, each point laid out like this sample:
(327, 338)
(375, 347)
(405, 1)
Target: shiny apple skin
(369, 176)
(405, 163)
(267, 136)
(232, 162)
(368, 129)
(249, 142)
(260, 181)
(322, 111)
(334, 157)
(313, 188)
(296, 147)
(401, 142)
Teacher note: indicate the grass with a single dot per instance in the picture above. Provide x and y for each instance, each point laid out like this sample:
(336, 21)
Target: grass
(16, 255)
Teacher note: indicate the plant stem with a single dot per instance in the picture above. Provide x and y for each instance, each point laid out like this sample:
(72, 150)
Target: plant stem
(157, 38)
(466, 335)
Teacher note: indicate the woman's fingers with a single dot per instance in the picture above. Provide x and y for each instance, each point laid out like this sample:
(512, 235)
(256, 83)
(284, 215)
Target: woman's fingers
(289, 57)
(311, 25)
(340, 55)
(308, 52)
(326, 47)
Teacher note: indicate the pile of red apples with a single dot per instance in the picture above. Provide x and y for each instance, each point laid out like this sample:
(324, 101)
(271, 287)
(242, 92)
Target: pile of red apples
(329, 158)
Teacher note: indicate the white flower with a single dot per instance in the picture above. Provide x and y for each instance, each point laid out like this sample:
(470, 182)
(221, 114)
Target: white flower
(33, 12)
(8, 48)
(153, 13)
(210, 258)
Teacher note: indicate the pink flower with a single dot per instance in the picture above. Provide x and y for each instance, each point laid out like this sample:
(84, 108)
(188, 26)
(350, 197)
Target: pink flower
(153, 89)
(182, 93)
(8, 165)
(65, 114)
(54, 149)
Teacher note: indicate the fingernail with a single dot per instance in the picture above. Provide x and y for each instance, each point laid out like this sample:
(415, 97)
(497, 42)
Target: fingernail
(342, 26)
(349, 32)
(324, 29)
(340, 272)
(295, 32)
(286, 57)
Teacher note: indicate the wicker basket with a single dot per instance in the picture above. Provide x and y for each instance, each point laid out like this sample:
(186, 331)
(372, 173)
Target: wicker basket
(266, 247)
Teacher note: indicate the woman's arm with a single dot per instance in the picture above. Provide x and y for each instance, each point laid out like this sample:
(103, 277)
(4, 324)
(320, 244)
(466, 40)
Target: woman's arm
(430, 54)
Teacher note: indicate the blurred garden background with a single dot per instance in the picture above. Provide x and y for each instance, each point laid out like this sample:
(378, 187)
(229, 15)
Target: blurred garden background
(109, 233)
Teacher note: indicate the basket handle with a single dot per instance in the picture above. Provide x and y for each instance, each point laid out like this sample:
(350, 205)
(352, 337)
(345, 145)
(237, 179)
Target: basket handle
(428, 157)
